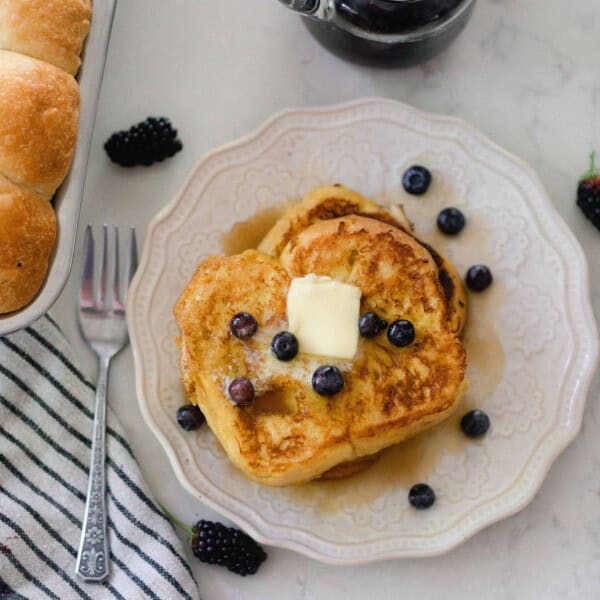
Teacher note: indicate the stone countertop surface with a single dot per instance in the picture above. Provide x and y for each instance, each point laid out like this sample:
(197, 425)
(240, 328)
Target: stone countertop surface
(527, 74)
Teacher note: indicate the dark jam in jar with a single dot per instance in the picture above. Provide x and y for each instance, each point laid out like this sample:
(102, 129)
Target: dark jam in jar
(383, 16)
(392, 32)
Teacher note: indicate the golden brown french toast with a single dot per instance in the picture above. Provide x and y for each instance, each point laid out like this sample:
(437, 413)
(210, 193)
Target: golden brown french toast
(333, 201)
(323, 203)
(290, 434)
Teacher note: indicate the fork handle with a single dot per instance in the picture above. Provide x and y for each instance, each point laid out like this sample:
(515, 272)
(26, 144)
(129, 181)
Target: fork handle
(93, 563)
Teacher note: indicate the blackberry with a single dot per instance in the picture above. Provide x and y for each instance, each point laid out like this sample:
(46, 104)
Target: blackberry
(588, 193)
(148, 142)
(217, 544)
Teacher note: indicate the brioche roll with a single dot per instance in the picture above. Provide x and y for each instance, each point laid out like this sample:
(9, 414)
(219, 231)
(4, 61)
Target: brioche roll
(27, 234)
(50, 30)
(39, 112)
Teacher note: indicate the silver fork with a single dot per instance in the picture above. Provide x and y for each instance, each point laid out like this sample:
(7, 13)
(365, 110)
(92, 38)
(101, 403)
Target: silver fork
(102, 324)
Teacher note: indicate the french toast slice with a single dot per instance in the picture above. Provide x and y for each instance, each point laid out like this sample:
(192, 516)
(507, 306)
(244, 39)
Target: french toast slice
(290, 434)
(333, 201)
(323, 203)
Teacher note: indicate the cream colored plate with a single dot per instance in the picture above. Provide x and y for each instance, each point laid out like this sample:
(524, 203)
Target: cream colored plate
(531, 338)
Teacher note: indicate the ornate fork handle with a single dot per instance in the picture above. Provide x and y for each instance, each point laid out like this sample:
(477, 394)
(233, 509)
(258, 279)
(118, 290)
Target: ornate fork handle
(93, 562)
(103, 326)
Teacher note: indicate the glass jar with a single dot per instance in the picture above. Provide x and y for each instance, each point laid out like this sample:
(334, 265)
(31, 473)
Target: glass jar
(393, 33)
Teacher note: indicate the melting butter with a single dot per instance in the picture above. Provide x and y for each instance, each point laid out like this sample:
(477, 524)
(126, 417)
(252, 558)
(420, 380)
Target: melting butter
(323, 314)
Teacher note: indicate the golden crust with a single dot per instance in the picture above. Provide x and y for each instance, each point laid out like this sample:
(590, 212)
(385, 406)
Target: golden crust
(330, 202)
(290, 434)
(49, 30)
(27, 234)
(398, 279)
(454, 289)
(350, 468)
(39, 111)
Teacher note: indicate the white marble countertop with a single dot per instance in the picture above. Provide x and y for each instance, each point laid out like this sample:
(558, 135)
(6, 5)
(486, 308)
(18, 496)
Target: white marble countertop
(218, 68)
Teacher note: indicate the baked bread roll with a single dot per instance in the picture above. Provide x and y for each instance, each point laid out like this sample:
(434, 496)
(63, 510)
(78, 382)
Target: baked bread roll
(51, 30)
(27, 233)
(39, 111)
(40, 44)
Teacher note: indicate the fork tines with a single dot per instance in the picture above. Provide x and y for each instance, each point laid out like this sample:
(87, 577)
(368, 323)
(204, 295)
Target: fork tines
(88, 300)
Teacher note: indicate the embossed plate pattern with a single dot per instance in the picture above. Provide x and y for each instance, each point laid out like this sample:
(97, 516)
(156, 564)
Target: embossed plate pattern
(531, 338)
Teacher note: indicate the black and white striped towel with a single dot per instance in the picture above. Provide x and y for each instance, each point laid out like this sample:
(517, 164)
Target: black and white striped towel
(46, 411)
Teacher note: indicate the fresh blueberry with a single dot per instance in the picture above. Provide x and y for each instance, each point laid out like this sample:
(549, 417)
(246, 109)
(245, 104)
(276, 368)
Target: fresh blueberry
(243, 325)
(401, 333)
(475, 423)
(479, 278)
(327, 381)
(416, 180)
(241, 391)
(451, 221)
(189, 417)
(370, 325)
(284, 345)
(421, 496)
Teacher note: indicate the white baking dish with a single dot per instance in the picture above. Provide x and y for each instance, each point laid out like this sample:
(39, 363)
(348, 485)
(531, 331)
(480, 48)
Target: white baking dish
(67, 201)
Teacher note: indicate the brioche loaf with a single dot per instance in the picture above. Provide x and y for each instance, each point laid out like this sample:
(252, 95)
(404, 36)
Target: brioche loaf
(51, 30)
(40, 43)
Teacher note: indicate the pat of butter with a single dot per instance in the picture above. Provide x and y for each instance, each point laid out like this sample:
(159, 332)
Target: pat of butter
(323, 314)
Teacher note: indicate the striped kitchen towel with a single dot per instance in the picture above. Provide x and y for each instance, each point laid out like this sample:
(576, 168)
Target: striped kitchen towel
(46, 413)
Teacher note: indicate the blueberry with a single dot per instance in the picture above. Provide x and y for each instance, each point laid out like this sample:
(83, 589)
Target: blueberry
(327, 381)
(189, 417)
(401, 333)
(284, 345)
(451, 221)
(475, 423)
(241, 391)
(370, 325)
(416, 180)
(243, 325)
(479, 278)
(421, 496)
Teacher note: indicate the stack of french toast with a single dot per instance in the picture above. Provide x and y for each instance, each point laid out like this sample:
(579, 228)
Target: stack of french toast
(40, 46)
(289, 433)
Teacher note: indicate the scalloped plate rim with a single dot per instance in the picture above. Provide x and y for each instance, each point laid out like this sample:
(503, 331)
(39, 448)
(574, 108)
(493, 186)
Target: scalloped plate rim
(587, 356)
